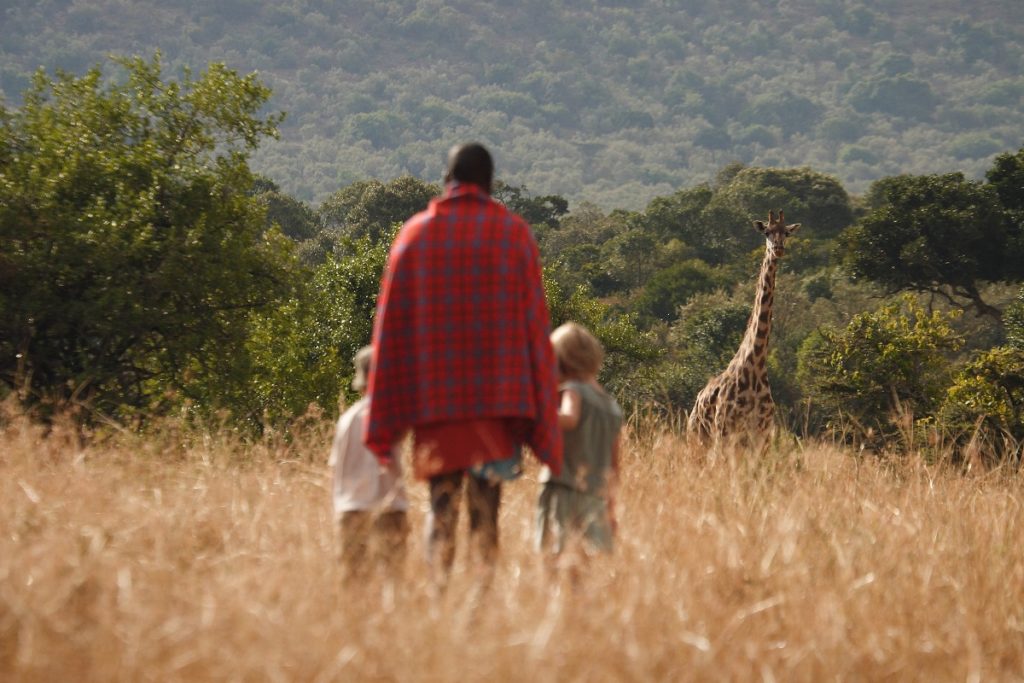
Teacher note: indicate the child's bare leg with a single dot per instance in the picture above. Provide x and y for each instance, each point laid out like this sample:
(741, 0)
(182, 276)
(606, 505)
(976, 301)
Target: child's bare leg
(354, 536)
(392, 529)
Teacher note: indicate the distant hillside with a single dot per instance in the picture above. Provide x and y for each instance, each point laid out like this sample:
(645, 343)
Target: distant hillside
(612, 102)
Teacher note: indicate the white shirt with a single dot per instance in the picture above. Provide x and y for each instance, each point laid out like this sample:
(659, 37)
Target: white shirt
(360, 482)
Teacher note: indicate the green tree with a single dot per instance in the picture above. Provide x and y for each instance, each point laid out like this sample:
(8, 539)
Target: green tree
(974, 145)
(787, 111)
(301, 353)
(713, 138)
(936, 233)
(903, 96)
(1013, 319)
(133, 252)
(575, 250)
(382, 128)
(1006, 177)
(814, 199)
(703, 341)
(636, 249)
(883, 365)
(292, 217)
(371, 208)
(671, 287)
(543, 213)
(680, 216)
(986, 400)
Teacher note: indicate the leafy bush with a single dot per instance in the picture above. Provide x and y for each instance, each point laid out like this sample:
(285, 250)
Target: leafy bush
(883, 366)
(703, 341)
(985, 404)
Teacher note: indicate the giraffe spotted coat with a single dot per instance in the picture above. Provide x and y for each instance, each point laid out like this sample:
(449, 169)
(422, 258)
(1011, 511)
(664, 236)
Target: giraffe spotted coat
(737, 404)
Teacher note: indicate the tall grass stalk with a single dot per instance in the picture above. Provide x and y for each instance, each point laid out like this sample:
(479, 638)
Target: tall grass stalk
(181, 556)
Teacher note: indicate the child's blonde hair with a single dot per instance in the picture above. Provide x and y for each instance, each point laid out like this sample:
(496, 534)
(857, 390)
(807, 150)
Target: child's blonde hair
(579, 353)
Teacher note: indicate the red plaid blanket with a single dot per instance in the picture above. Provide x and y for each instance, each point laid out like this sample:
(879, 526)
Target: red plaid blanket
(462, 325)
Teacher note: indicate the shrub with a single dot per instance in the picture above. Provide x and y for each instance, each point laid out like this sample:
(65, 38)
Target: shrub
(985, 404)
(888, 363)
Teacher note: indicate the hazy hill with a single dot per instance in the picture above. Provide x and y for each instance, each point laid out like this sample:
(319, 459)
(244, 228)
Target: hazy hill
(614, 102)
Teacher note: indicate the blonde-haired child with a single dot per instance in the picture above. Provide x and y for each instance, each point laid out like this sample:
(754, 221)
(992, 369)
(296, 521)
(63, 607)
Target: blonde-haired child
(576, 505)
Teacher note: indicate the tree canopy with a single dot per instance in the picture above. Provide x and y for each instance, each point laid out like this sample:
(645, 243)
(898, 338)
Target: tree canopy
(937, 233)
(612, 103)
(133, 251)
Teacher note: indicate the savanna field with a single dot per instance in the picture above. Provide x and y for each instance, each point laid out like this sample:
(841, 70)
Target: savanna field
(183, 556)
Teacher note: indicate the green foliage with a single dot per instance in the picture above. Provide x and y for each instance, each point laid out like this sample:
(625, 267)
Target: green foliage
(575, 97)
(757, 134)
(381, 128)
(301, 353)
(883, 365)
(673, 286)
(987, 397)
(133, 253)
(851, 153)
(1003, 93)
(711, 328)
(903, 96)
(578, 251)
(816, 200)
(974, 145)
(294, 218)
(937, 233)
(1013, 319)
(977, 41)
(634, 249)
(843, 127)
(700, 344)
(681, 215)
(542, 213)
(370, 208)
(713, 138)
(1006, 177)
(787, 111)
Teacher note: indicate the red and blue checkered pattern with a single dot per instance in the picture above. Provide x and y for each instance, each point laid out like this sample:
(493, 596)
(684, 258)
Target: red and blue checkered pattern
(462, 325)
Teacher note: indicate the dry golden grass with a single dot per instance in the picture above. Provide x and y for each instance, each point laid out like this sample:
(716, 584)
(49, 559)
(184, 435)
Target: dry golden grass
(182, 557)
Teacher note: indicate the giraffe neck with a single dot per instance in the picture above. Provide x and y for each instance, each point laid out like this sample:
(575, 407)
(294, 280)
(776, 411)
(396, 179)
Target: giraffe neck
(754, 348)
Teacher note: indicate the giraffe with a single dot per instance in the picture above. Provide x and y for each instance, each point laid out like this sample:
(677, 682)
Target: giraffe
(737, 404)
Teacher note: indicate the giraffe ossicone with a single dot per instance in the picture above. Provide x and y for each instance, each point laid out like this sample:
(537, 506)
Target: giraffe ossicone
(737, 404)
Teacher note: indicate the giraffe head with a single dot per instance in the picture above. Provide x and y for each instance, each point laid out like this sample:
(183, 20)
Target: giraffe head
(776, 231)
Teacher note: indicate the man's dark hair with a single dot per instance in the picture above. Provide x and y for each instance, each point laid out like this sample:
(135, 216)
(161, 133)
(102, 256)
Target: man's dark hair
(470, 163)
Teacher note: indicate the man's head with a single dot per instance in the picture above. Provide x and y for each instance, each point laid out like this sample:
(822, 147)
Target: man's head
(470, 163)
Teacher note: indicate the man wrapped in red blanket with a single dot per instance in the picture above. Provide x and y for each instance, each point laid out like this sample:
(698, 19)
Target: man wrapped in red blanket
(462, 354)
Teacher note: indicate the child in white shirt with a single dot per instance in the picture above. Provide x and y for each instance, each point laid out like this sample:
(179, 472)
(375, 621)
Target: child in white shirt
(369, 499)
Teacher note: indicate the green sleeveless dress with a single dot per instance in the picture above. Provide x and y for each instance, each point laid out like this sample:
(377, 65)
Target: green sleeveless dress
(575, 503)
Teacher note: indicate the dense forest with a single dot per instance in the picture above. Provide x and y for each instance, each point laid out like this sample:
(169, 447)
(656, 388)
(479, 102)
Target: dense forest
(160, 256)
(613, 103)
